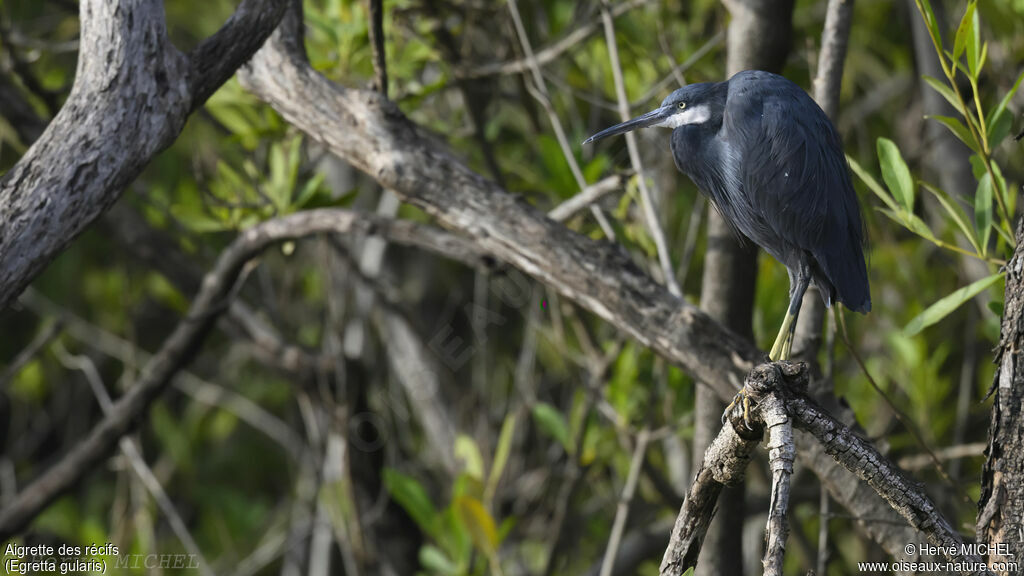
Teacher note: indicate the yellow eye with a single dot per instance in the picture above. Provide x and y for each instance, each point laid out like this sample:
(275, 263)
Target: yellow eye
(682, 105)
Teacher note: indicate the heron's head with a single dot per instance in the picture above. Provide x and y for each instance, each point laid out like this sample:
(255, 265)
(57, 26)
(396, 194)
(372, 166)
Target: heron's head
(688, 105)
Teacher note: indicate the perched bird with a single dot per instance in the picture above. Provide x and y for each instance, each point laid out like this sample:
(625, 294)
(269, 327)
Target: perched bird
(772, 164)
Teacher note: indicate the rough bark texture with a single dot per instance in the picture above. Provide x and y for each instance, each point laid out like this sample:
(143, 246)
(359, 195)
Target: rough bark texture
(781, 454)
(758, 38)
(132, 94)
(1001, 507)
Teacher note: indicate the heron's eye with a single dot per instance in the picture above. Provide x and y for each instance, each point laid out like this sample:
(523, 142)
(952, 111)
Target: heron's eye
(682, 105)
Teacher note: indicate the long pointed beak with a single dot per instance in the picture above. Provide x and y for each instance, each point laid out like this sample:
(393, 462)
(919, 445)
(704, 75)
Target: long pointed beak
(651, 118)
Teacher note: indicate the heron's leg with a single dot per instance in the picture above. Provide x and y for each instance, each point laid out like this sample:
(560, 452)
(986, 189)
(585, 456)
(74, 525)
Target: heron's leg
(780, 350)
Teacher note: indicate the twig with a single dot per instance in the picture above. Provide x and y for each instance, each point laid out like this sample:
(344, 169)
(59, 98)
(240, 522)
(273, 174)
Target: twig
(131, 452)
(376, 33)
(646, 201)
(824, 513)
(622, 510)
(549, 54)
(586, 197)
(176, 352)
(49, 331)
(540, 92)
(781, 454)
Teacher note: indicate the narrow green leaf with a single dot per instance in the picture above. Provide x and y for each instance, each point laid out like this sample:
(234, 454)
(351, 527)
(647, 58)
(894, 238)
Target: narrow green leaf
(943, 89)
(957, 128)
(872, 184)
(551, 421)
(975, 50)
(482, 528)
(929, 18)
(966, 28)
(956, 212)
(996, 306)
(983, 211)
(896, 174)
(1000, 110)
(411, 496)
(947, 305)
(501, 453)
(917, 226)
(308, 190)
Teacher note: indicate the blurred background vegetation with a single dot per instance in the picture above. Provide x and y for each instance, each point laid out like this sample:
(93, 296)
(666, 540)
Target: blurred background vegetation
(268, 468)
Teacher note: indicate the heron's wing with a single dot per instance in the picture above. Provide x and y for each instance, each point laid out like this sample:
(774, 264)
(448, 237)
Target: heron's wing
(796, 179)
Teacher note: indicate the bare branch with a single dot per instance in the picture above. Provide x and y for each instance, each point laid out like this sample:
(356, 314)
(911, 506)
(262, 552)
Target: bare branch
(551, 53)
(540, 92)
(133, 92)
(646, 200)
(781, 454)
(217, 289)
(622, 511)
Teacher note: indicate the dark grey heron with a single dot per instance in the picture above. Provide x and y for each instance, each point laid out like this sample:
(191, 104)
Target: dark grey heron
(772, 164)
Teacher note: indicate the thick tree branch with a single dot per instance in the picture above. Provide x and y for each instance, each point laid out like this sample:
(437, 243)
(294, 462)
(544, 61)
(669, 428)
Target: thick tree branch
(784, 384)
(133, 92)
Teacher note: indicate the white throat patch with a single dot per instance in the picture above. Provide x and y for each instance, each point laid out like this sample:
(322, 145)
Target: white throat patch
(695, 115)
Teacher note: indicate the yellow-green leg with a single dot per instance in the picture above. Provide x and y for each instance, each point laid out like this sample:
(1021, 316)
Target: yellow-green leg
(783, 346)
(784, 341)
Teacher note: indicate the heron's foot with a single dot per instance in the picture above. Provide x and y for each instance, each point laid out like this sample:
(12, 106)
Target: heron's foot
(742, 398)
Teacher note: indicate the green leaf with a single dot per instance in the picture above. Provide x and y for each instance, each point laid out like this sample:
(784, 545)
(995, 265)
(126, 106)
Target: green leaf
(1000, 111)
(309, 189)
(957, 128)
(872, 184)
(411, 496)
(996, 306)
(501, 453)
(896, 174)
(482, 528)
(943, 89)
(947, 305)
(983, 211)
(966, 29)
(929, 18)
(551, 421)
(467, 450)
(956, 212)
(975, 49)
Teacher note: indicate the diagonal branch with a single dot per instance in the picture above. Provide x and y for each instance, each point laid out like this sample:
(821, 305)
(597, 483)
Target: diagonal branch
(215, 294)
(133, 92)
(784, 384)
